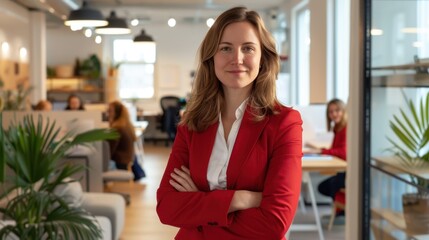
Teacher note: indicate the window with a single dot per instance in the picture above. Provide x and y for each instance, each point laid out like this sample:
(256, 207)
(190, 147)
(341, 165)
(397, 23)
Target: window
(136, 68)
(341, 49)
(302, 69)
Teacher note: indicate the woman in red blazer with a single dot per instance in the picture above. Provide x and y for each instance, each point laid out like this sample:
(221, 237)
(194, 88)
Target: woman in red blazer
(235, 167)
(336, 118)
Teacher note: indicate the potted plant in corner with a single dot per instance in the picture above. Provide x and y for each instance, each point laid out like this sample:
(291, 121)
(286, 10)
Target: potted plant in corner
(31, 151)
(411, 129)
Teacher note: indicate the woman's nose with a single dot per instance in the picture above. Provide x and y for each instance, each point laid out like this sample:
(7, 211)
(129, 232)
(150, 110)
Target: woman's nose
(237, 57)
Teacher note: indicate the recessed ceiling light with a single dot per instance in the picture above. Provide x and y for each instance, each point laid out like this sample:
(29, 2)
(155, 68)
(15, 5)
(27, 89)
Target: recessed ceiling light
(210, 22)
(134, 22)
(171, 22)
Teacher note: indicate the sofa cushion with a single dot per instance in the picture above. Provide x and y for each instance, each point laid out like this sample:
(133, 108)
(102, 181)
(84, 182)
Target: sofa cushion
(71, 192)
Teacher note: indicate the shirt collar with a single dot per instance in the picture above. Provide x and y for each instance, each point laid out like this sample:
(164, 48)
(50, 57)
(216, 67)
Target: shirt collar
(239, 112)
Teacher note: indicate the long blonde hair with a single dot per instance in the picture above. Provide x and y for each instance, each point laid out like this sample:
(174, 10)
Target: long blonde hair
(121, 118)
(342, 106)
(207, 97)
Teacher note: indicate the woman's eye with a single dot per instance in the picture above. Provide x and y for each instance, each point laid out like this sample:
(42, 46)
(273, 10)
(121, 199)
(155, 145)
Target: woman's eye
(225, 49)
(248, 49)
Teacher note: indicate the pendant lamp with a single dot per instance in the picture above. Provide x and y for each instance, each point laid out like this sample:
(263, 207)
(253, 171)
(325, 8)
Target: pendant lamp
(116, 25)
(143, 37)
(86, 17)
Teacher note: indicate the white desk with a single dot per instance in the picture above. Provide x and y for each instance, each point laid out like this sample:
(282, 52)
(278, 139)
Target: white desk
(319, 163)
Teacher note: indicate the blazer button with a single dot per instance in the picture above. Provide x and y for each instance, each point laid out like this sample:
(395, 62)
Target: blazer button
(200, 228)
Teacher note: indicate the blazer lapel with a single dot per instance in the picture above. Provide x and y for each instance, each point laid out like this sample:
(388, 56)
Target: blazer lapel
(247, 137)
(202, 146)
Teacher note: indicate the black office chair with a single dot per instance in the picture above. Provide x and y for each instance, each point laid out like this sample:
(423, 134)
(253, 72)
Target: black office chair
(170, 106)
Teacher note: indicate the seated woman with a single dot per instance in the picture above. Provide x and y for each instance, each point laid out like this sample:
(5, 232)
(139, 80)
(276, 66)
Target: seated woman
(74, 103)
(43, 105)
(121, 149)
(336, 117)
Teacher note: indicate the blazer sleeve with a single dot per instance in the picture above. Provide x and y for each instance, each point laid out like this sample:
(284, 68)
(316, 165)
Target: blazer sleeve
(189, 209)
(339, 145)
(281, 189)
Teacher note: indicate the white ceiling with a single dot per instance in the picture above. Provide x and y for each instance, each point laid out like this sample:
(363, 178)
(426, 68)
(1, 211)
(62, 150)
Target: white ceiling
(150, 11)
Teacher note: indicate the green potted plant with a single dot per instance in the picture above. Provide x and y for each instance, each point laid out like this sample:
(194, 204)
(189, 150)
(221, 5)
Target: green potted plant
(14, 99)
(31, 150)
(411, 129)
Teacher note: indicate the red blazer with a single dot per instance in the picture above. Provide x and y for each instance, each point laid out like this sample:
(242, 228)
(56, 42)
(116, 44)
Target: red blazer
(266, 158)
(339, 144)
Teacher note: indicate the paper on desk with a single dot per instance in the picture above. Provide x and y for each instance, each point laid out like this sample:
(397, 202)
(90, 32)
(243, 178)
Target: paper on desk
(315, 157)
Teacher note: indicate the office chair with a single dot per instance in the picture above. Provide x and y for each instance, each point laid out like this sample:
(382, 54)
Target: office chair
(170, 106)
(117, 175)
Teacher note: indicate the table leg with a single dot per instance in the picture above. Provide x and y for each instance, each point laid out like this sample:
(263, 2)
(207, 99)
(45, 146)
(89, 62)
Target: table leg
(306, 175)
(309, 227)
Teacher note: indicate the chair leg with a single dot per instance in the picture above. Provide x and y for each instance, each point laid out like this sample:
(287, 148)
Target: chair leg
(332, 218)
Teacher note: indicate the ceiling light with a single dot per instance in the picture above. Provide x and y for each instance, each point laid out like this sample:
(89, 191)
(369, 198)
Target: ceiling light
(98, 39)
(376, 32)
(88, 32)
(134, 22)
(143, 37)
(116, 25)
(86, 17)
(76, 27)
(171, 22)
(210, 22)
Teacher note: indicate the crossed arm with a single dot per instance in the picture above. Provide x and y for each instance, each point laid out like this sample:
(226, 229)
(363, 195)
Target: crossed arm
(242, 199)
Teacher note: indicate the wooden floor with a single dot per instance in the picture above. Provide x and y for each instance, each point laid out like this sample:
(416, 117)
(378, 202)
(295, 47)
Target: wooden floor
(142, 221)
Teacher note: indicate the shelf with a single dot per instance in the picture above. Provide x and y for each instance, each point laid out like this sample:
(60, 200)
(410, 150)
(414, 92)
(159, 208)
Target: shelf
(395, 221)
(75, 91)
(396, 168)
(401, 80)
(394, 218)
(90, 89)
(410, 66)
(74, 78)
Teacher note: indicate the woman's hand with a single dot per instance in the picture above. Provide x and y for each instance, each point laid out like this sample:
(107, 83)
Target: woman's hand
(244, 199)
(181, 180)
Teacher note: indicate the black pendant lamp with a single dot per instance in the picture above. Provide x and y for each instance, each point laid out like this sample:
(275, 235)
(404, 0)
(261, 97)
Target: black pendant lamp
(143, 37)
(116, 26)
(86, 17)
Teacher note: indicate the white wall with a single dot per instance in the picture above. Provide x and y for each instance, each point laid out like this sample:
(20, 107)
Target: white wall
(63, 46)
(176, 49)
(14, 29)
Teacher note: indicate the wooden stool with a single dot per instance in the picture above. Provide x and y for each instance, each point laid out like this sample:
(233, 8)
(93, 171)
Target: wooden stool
(339, 204)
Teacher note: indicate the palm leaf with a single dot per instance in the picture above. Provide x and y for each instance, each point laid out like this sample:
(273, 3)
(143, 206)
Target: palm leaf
(2, 151)
(412, 132)
(405, 129)
(32, 149)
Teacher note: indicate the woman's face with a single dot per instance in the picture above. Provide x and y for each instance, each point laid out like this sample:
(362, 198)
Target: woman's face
(335, 113)
(74, 103)
(238, 57)
(110, 113)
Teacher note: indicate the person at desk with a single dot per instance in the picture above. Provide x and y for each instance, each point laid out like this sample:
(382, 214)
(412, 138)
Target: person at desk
(43, 105)
(74, 103)
(122, 148)
(336, 119)
(234, 171)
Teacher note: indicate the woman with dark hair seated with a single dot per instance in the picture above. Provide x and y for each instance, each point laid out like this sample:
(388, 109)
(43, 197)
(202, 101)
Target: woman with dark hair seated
(74, 102)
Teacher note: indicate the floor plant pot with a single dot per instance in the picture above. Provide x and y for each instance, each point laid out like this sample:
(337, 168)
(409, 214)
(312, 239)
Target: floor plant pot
(416, 213)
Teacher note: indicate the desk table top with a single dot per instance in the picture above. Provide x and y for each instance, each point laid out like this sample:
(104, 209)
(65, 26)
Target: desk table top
(323, 163)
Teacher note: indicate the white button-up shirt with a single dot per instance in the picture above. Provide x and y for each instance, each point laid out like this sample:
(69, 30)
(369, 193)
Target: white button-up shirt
(218, 164)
